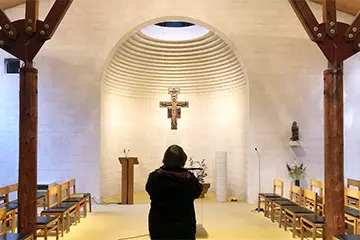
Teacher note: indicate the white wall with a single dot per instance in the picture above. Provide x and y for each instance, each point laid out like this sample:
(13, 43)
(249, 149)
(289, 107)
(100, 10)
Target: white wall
(284, 70)
(211, 123)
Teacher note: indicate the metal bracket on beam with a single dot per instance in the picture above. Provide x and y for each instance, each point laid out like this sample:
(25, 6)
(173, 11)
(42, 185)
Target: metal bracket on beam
(308, 20)
(53, 19)
(354, 29)
(31, 16)
(329, 12)
(7, 27)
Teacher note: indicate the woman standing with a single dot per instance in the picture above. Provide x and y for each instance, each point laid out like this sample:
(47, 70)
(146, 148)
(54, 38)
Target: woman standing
(172, 191)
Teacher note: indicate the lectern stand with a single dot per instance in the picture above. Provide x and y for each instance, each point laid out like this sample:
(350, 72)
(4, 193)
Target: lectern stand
(127, 186)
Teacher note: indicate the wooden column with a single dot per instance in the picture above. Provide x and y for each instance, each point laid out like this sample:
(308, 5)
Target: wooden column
(334, 151)
(28, 150)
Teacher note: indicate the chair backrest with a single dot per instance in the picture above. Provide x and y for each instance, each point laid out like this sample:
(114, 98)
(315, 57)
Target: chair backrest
(53, 196)
(278, 185)
(64, 191)
(352, 197)
(2, 221)
(319, 185)
(310, 200)
(72, 184)
(353, 183)
(4, 195)
(296, 194)
(13, 188)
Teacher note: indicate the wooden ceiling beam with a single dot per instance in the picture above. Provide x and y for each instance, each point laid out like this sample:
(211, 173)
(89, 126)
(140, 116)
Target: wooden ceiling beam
(349, 6)
(5, 4)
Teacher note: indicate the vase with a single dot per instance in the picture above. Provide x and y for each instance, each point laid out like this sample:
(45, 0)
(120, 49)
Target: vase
(206, 187)
(297, 182)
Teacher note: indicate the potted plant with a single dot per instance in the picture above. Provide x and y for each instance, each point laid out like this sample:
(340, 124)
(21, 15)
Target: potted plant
(200, 174)
(296, 172)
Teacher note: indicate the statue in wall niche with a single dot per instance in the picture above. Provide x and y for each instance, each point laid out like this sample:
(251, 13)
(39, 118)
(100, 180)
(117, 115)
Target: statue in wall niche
(294, 132)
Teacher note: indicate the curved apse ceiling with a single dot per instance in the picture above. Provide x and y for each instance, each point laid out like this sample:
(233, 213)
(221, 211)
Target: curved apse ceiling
(145, 66)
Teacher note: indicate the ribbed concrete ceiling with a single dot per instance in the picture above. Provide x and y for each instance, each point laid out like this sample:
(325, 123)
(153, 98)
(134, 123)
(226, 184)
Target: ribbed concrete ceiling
(145, 66)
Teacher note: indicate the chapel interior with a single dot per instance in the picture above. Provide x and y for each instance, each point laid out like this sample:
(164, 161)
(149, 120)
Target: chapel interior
(262, 96)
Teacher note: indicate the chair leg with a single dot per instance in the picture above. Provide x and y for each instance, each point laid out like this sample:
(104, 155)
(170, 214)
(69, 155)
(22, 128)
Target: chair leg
(301, 230)
(285, 221)
(314, 233)
(355, 226)
(85, 210)
(280, 217)
(45, 233)
(293, 225)
(90, 210)
(13, 222)
(62, 225)
(67, 222)
(57, 229)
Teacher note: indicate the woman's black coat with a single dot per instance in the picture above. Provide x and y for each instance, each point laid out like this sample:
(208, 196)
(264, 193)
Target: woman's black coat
(172, 192)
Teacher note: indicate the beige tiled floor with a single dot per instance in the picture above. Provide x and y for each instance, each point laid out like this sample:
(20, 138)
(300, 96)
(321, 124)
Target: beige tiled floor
(223, 221)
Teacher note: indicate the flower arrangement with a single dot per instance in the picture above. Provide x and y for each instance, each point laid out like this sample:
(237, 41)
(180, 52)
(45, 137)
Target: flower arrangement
(200, 174)
(296, 172)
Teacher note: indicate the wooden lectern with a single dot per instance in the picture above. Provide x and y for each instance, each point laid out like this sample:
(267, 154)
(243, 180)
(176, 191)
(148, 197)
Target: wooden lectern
(127, 186)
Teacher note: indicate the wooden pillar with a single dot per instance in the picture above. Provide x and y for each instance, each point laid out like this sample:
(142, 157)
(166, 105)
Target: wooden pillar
(28, 149)
(334, 151)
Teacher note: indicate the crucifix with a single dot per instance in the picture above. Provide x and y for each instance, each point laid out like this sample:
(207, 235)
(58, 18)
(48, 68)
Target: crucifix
(338, 41)
(24, 39)
(174, 107)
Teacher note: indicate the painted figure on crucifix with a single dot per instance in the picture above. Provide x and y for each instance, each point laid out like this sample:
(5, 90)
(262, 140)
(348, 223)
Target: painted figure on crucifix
(174, 107)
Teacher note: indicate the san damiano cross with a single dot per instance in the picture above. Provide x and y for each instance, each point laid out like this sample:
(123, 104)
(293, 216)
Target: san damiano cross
(174, 107)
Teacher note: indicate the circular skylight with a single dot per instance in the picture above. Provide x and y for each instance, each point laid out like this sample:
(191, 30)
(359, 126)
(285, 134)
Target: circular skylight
(174, 31)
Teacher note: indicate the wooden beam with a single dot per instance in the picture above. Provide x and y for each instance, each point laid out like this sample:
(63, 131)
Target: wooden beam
(28, 150)
(5, 4)
(31, 15)
(329, 15)
(6, 25)
(307, 19)
(349, 6)
(55, 16)
(354, 29)
(334, 151)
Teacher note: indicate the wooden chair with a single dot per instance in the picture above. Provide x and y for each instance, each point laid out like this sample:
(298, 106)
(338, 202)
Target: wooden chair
(55, 208)
(11, 208)
(293, 213)
(318, 187)
(265, 197)
(41, 198)
(278, 204)
(354, 184)
(352, 210)
(10, 236)
(46, 225)
(66, 198)
(74, 194)
(312, 222)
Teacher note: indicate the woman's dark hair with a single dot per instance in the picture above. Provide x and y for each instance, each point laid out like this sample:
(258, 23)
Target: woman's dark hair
(174, 156)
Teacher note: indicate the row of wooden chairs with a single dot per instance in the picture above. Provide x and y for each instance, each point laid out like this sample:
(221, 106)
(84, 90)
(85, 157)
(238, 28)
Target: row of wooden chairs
(59, 204)
(305, 208)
